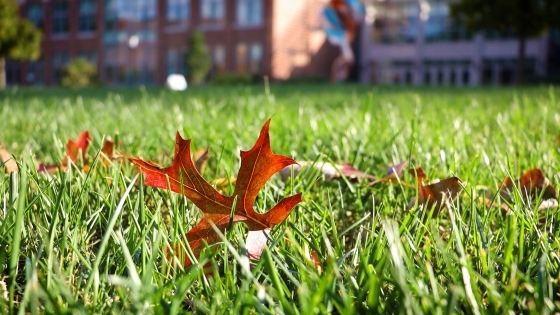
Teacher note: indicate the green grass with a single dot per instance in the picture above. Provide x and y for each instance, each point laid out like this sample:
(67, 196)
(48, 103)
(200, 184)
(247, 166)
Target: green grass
(97, 242)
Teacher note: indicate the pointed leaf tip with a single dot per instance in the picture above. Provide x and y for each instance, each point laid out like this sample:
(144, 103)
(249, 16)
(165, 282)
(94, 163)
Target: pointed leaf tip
(257, 166)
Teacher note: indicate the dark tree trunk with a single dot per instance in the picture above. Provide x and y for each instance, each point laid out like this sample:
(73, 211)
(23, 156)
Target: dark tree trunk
(520, 67)
(2, 73)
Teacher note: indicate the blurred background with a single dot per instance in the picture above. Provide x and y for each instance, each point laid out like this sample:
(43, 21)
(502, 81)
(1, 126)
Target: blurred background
(400, 42)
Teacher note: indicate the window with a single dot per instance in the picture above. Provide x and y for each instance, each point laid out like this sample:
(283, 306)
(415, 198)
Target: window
(178, 12)
(86, 16)
(241, 57)
(440, 27)
(256, 58)
(427, 77)
(60, 59)
(35, 14)
(91, 56)
(466, 77)
(408, 77)
(111, 16)
(395, 22)
(172, 58)
(212, 12)
(13, 72)
(249, 12)
(35, 72)
(129, 41)
(60, 18)
(220, 59)
(111, 74)
(123, 18)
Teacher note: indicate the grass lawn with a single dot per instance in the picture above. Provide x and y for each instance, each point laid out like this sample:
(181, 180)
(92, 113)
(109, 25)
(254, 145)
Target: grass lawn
(96, 242)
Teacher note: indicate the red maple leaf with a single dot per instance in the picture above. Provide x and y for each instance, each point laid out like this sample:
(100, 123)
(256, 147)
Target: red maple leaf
(73, 151)
(257, 166)
(75, 148)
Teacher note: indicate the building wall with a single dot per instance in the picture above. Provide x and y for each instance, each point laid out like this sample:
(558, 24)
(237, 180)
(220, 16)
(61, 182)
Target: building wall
(228, 37)
(289, 41)
(299, 44)
(421, 47)
(71, 44)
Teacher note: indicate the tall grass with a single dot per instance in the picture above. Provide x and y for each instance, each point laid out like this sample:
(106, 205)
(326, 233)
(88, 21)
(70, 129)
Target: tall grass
(98, 242)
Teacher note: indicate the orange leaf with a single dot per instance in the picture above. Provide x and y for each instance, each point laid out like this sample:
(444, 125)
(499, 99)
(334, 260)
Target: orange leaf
(435, 195)
(257, 166)
(7, 160)
(107, 152)
(532, 184)
(75, 148)
(73, 151)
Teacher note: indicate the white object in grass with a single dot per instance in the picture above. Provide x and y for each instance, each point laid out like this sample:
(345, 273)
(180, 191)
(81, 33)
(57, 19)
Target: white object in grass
(176, 82)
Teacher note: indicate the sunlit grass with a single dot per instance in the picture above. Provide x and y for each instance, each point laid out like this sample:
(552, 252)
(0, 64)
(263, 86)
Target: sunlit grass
(97, 242)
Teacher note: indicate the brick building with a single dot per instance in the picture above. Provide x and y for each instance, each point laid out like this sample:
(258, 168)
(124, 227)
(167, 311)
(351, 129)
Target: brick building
(142, 41)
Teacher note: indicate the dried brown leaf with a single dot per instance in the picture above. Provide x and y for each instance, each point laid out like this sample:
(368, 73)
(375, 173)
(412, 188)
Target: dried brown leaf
(435, 195)
(328, 171)
(532, 185)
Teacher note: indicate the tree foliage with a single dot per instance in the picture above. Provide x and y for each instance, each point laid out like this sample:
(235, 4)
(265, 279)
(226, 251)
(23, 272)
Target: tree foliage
(19, 39)
(522, 18)
(198, 60)
(79, 73)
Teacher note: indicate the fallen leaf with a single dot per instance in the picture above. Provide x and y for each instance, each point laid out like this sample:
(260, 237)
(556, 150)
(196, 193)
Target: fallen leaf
(256, 243)
(418, 173)
(47, 168)
(532, 185)
(107, 152)
(315, 260)
(351, 172)
(257, 166)
(435, 195)
(393, 174)
(74, 150)
(327, 170)
(7, 160)
(201, 157)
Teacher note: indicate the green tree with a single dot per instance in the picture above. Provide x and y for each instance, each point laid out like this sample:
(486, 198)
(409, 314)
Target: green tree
(19, 39)
(198, 60)
(79, 73)
(523, 18)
